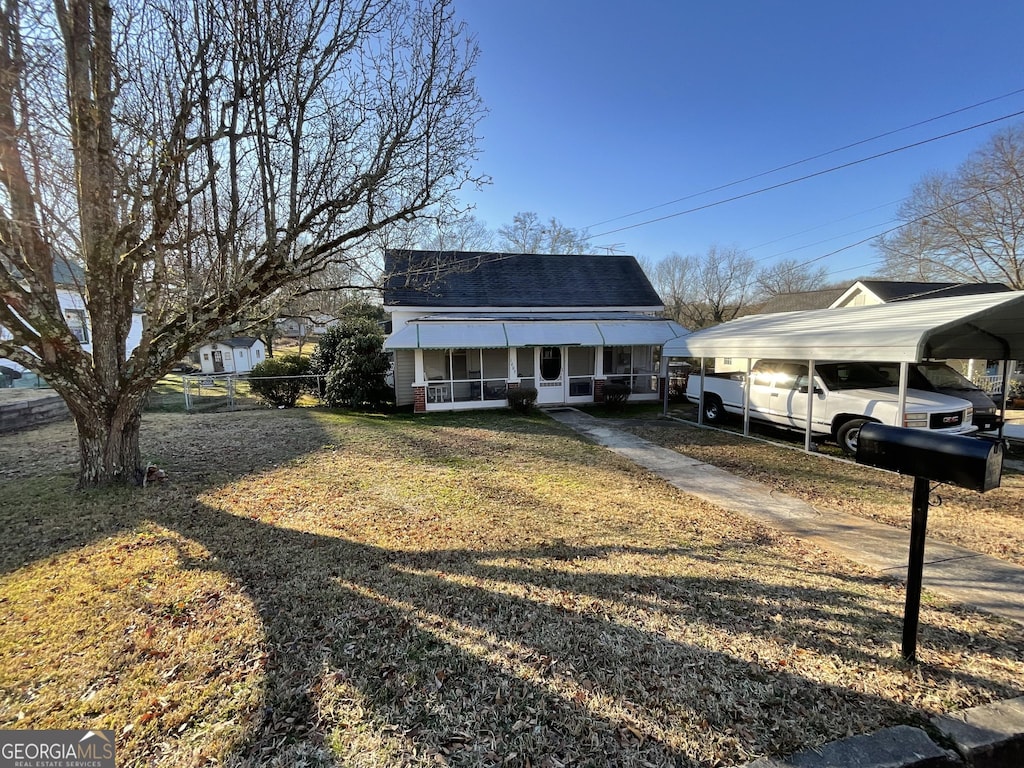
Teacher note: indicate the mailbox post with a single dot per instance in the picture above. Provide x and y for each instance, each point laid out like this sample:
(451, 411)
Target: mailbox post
(968, 462)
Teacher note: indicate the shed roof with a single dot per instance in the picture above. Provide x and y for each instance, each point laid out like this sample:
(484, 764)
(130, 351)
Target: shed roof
(236, 342)
(465, 279)
(987, 326)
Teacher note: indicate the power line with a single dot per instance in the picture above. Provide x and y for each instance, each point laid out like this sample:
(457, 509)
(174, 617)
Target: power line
(826, 240)
(916, 220)
(790, 182)
(808, 159)
(825, 224)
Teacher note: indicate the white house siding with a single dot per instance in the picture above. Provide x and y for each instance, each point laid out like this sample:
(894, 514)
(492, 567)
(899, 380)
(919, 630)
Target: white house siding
(73, 306)
(235, 359)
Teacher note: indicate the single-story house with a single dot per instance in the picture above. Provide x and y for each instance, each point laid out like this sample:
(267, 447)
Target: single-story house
(469, 326)
(239, 354)
(69, 279)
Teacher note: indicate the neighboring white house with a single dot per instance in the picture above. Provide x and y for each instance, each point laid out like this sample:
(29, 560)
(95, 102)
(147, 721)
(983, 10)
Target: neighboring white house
(70, 282)
(236, 355)
(304, 326)
(467, 327)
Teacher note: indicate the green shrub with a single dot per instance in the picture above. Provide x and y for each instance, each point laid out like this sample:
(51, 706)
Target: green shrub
(269, 383)
(616, 395)
(352, 357)
(523, 399)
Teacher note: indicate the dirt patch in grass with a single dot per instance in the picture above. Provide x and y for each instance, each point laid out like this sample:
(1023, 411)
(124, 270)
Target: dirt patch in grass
(991, 523)
(475, 590)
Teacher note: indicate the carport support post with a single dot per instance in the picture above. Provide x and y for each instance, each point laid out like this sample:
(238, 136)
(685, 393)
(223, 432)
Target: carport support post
(915, 566)
(746, 401)
(810, 404)
(700, 396)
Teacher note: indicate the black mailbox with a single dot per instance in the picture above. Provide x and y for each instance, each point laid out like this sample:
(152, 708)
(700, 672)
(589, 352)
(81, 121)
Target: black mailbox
(969, 462)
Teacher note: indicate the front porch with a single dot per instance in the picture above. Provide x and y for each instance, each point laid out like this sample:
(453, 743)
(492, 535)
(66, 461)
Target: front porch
(464, 378)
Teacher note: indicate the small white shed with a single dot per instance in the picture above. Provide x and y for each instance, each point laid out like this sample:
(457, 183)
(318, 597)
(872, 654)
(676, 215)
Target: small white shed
(236, 355)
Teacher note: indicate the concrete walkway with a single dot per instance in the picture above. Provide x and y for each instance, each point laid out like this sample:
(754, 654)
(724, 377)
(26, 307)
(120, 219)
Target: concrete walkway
(960, 574)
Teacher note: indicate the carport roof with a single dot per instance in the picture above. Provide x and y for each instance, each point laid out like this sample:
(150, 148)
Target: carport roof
(987, 326)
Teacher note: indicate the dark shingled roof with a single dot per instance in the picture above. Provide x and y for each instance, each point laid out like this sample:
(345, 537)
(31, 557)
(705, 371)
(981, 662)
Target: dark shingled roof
(893, 290)
(66, 274)
(802, 300)
(240, 342)
(475, 279)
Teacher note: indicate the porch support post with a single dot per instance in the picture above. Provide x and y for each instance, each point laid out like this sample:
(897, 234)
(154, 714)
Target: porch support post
(664, 383)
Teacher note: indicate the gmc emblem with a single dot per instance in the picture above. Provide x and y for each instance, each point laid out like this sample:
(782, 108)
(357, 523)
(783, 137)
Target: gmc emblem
(950, 419)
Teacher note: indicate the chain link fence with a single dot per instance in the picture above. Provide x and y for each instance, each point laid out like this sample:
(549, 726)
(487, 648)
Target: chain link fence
(232, 392)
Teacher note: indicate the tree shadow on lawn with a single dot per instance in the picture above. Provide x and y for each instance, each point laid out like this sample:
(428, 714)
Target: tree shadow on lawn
(442, 653)
(493, 655)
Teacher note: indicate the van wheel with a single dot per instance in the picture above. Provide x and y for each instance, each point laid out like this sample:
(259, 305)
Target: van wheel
(713, 410)
(848, 434)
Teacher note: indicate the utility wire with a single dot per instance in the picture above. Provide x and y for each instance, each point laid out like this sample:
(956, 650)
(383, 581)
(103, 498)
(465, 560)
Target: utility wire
(916, 220)
(825, 240)
(795, 163)
(825, 224)
(790, 182)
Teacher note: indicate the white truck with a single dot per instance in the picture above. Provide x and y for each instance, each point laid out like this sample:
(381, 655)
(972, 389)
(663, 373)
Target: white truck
(846, 396)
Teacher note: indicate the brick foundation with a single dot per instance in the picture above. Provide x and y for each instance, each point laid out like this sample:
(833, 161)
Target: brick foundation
(419, 399)
(598, 390)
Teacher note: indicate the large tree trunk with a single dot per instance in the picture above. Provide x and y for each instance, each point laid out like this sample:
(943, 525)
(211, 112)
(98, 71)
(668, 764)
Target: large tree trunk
(108, 441)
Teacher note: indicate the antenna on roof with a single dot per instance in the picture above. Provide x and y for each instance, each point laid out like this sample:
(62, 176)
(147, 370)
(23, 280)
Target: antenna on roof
(610, 249)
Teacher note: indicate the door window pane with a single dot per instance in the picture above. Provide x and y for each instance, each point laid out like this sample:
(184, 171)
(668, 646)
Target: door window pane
(550, 363)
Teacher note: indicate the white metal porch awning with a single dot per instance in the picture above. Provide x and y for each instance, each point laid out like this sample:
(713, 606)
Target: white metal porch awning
(490, 333)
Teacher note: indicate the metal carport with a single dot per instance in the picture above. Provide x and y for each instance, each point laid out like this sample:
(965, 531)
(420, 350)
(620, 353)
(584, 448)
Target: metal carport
(987, 326)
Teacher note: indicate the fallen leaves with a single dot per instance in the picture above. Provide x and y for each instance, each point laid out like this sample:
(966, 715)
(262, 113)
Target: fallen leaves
(473, 590)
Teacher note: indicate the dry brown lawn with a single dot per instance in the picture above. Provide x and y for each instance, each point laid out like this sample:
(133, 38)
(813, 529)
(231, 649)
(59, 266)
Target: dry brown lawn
(992, 523)
(311, 588)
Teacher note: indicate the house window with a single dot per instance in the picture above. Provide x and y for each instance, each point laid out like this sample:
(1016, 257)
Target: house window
(580, 367)
(635, 366)
(77, 324)
(258, 354)
(465, 375)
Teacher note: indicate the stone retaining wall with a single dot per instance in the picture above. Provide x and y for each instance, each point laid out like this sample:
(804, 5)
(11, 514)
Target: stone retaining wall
(31, 413)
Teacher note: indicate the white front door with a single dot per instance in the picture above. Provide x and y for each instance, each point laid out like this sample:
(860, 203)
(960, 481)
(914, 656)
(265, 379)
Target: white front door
(550, 375)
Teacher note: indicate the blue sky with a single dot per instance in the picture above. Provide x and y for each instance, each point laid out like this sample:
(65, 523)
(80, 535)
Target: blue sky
(599, 109)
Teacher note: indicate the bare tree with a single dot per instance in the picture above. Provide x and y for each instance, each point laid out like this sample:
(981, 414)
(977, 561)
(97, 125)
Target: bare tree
(528, 234)
(789, 276)
(459, 232)
(966, 226)
(700, 291)
(196, 156)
